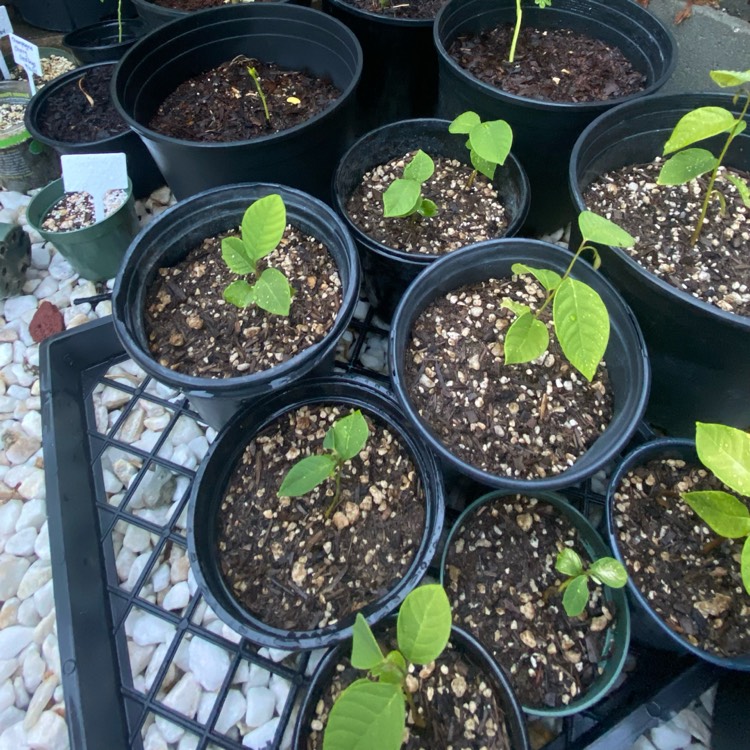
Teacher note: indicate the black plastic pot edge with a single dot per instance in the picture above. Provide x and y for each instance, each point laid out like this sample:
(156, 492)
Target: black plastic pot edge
(100, 42)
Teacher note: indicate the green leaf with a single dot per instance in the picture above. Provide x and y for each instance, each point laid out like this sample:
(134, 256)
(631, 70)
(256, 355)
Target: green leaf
(367, 716)
(423, 626)
(328, 440)
(610, 572)
(595, 228)
(235, 255)
(685, 166)
(240, 293)
(391, 669)
(464, 123)
(307, 474)
(420, 168)
(581, 324)
(745, 565)
(428, 208)
(263, 225)
(487, 168)
(726, 452)
(569, 562)
(366, 653)
(515, 307)
(272, 292)
(742, 187)
(576, 595)
(402, 198)
(727, 78)
(492, 140)
(697, 125)
(543, 3)
(548, 279)
(722, 512)
(526, 339)
(350, 434)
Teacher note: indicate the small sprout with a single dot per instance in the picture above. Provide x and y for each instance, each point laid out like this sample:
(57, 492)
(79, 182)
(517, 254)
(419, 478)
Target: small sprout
(262, 228)
(256, 80)
(605, 570)
(489, 143)
(404, 195)
(89, 98)
(343, 441)
(517, 28)
(370, 713)
(725, 451)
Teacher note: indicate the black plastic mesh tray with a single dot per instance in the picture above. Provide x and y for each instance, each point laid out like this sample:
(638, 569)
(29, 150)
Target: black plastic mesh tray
(111, 703)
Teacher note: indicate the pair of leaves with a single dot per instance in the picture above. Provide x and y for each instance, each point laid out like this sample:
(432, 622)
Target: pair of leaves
(489, 143)
(605, 570)
(404, 195)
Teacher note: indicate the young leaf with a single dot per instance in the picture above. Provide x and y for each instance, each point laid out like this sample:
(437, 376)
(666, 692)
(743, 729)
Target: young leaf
(515, 307)
(487, 168)
(697, 125)
(420, 168)
(576, 595)
(263, 225)
(391, 669)
(350, 434)
(492, 140)
(526, 339)
(581, 324)
(742, 188)
(428, 208)
(366, 653)
(306, 475)
(367, 716)
(272, 292)
(745, 565)
(548, 279)
(401, 198)
(464, 123)
(727, 78)
(722, 512)
(726, 452)
(685, 166)
(239, 293)
(609, 571)
(235, 256)
(595, 228)
(423, 626)
(569, 562)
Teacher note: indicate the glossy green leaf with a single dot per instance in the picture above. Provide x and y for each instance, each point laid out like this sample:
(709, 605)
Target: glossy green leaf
(595, 228)
(423, 626)
(329, 440)
(685, 166)
(307, 474)
(745, 565)
(526, 339)
(581, 325)
(515, 307)
(272, 292)
(610, 572)
(391, 669)
(487, 168)
(548, 279)
(402, 198)
(727, 78)
(698, 125)
(569, 562)
(464, 123)
(742, 187)
(263, 225)
(543, 3)
(723, 513)
(350, 434)
(240, 293)
(366, 653)
(428, 208)
(492, 140)
(367, 716)
(576, 595)
(726, 452)
(235, 255)
(420, 168)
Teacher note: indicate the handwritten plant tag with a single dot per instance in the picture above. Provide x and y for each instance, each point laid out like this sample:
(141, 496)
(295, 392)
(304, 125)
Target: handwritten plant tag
(94, 174)
(5, 29)
(26, 55)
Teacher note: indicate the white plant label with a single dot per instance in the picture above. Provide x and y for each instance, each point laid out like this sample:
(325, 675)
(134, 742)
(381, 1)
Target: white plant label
(94, 174)
(5, 29)
(26, 55)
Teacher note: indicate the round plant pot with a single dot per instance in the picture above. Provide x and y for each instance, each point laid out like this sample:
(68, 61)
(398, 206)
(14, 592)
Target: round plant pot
(66, 15)
(141, 167)
(618, 637)
(514, 718)
(544, 131)
(101, 42)
(216, 470)
(168, 239)
(291, 36)
(388, 271)
(626, 357)
(700, 354)
(648, 627)
(96, 251)
(154, 15)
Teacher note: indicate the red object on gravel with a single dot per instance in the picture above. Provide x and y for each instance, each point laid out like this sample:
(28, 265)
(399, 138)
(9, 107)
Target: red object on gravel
(47, 320)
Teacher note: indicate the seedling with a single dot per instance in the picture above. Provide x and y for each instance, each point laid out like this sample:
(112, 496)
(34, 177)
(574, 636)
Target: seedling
(119, 20)
(697, 125)
(517, 29)
(262, 228)
(404, 195)
(725, 451)
(604, 571)
(256, 80)
(488, 143)
(579, 314)
(343, 441)
(371, 713)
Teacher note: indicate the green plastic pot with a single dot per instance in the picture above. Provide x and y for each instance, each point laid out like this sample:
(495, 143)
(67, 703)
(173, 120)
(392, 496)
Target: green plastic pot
(618, 636)
(96, 251)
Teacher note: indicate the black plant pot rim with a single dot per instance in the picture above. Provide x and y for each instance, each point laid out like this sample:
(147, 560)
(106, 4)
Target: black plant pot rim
(380, 18)
(555, 9)
(418, 259)
(131, 30)
(660, 448)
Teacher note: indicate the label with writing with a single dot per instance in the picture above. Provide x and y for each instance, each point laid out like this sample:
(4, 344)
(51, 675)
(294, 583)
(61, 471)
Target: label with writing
(94, 174)
(26, 55)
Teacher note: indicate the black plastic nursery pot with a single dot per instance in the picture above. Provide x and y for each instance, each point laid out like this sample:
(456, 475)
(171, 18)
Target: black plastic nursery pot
(142, 170)
(388, 271)
(102, 42)
(154, 15)
(66, 15)
(167, 240)
(216, 470)
(700, 354)
(618, 640)
(544, 131)
(294, 37)
(626, 356)
(648, 627)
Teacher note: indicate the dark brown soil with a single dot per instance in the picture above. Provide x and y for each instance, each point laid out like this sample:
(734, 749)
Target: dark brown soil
(223, 104)
(557, 65)
(399, 9)
(71, 117)
(662, 218)
(288, 563)
(191, 329)
(699, 594)
(524, 421)
(502, 583)
(190, 5)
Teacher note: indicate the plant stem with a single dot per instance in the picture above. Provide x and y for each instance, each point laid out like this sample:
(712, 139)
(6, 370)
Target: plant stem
(471, 179)
(551, 293)
(337, 492)
(119, 21)
(254, 75)
(418, 720)
(516, 32)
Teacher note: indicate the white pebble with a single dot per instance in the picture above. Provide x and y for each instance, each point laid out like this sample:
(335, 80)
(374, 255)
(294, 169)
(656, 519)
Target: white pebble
(22, 695)
(7, 668)
(7, 695)
(204, 707)
(19, 447)
(154, 740)
(160, 578)
(59, 268)
(6, 354)
(33, 486)
(177, 597)
(139, 657)
(49, 733)
(184, 696)
(41, 546)
(51, 653)
(668, 737)
(257, 676)
(33, 514)
(280, 688)
(33, 670)
(39, 701)
(12, 570)
(157, 659)
(170, 731)
(137, 539)
(151, 629)
(208, 663)
(44, 629)
(260, 706)
(123, 563)
(14, 639)
(262, 736)
(15, 307)
(9, 514)
(27, 614)
(231, 712)
(139, 564)
(44, 599)
(184, 431)
(35, 577)
(13, 735)
(22, 542)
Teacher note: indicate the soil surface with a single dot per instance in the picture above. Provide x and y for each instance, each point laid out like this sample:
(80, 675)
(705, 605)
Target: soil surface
(192, 329)
(503, 587)
(524, 421)
(76, 210)
(236, 110)
(398, 9)
(697, 592)
(189, 5)
(557, 65)
(288, 563)
(662, 218)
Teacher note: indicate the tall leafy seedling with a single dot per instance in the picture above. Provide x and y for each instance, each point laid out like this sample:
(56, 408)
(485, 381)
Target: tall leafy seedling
(517, 27)
(489, 143)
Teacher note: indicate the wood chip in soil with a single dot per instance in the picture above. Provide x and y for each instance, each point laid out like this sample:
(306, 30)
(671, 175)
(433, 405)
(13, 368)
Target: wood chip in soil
(662, 218)
(287, 563)
(503, 588)
(223, 104)
(698, 594)
(397, 9)
(464, 215)
(524, 421)
(557, 65)
(190, 328)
